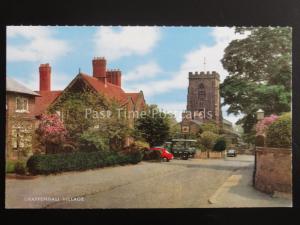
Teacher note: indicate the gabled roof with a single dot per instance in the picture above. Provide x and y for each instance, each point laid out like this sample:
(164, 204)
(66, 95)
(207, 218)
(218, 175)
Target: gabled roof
(109, 90)
(134, 96)
(42, 103)
(14, 86)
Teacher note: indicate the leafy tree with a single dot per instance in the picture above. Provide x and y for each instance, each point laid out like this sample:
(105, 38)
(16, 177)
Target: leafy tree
(262, 125)
(220, 144)
(153, 126)
(209, 126)
(279, 133)
(208, 139)
(51, 132)
(175, 127)
(260, 69)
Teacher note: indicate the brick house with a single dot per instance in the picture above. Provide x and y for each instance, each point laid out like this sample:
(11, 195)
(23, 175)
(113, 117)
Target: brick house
(105, 82)
(20, 119)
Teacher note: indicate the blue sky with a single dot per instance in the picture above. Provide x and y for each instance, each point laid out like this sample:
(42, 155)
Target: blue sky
(153, 59)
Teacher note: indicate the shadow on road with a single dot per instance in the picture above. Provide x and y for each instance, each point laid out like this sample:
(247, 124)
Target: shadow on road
(211, 166)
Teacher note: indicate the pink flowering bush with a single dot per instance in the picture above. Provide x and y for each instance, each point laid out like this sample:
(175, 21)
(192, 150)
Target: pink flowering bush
(51, 131)
(262, 125)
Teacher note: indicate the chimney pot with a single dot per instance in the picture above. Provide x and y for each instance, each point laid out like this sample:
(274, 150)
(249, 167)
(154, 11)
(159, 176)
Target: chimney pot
(99, 68)
(45, 77)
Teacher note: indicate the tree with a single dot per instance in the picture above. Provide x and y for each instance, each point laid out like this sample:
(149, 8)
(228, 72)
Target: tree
(279, 133)
(209, 126)
(175, 127)
(154, 126)
(220, 144)
(262, 125)
(260, 69)
(208, 139)
(51, 132)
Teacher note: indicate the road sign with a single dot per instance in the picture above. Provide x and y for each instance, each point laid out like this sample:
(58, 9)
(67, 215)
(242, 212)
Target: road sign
(185, 129)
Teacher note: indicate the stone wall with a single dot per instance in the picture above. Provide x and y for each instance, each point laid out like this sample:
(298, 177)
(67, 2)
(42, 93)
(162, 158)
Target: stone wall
(273, 170)
(201, 155)
(216, 155)
(209, 154)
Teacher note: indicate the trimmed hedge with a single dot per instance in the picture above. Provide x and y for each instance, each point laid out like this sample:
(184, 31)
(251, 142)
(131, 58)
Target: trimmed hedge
(10, 166)
(20, 168)
(78, 161)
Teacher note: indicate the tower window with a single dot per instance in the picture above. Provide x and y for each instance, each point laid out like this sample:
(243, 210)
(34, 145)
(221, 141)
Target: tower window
(201, 90)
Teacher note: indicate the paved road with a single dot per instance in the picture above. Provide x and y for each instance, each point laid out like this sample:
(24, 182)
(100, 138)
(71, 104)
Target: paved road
(175, 184)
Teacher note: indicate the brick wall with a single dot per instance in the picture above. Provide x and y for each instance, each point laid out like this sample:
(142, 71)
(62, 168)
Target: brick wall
(14, 118)
(273, 169)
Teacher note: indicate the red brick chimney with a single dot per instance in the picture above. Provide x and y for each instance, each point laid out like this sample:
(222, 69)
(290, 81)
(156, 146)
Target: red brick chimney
(114, 77)
(118, 78)
(45, 77)
(99, 68)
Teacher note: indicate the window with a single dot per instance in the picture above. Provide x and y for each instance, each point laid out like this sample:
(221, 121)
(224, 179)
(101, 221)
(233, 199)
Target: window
(21, 137)
(201, 91)
(21, 104)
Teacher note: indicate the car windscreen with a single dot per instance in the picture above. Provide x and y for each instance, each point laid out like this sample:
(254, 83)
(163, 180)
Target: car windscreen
(178, 145)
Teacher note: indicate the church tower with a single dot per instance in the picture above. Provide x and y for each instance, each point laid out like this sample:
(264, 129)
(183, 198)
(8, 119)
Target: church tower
(203, 99)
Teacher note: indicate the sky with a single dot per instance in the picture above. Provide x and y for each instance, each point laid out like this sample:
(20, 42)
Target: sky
(153, 59)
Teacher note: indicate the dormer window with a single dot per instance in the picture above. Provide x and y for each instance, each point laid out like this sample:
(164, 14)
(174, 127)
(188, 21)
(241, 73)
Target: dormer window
(21, 104)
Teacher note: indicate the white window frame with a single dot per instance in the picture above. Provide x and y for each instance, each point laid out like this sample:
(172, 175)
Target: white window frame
(24, 110)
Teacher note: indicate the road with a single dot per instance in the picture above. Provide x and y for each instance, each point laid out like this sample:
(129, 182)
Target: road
(176, 184)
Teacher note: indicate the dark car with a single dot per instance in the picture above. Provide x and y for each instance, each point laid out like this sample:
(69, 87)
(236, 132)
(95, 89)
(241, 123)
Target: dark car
(183, 148)
(231, 153)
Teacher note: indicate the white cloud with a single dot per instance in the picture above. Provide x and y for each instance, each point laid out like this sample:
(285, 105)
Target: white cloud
(175, 108)
(126, 41)
(39, 46)
(59, 81)
(148, 70)
(232, 118)
(194, 62)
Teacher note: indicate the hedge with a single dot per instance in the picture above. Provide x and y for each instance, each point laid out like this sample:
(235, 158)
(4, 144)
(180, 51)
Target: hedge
(78, 161)
(10, 166)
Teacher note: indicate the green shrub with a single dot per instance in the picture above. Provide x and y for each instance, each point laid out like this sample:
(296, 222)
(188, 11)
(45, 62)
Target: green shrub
(141, 144)
(208, 139)
(93, 140)
(209, 126)
(279, 133)
(220, 145)
(20, 168)
(78, 161)
(10, 166)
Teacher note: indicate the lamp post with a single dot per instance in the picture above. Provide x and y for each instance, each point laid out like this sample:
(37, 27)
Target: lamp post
(260, 114)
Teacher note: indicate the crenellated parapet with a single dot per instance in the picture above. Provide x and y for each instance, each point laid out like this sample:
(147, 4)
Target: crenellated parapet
(201, 75)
